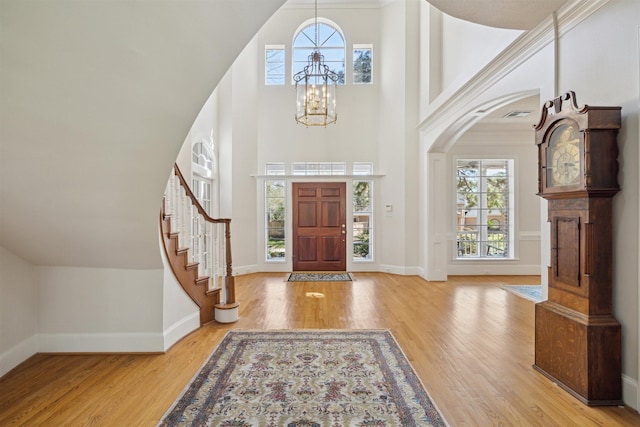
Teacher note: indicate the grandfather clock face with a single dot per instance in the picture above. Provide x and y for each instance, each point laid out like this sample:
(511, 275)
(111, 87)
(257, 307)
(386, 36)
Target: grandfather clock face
(563, 157)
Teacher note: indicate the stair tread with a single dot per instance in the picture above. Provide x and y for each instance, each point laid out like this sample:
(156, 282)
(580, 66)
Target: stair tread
(212, 292)
(227, 306)
(196, 286)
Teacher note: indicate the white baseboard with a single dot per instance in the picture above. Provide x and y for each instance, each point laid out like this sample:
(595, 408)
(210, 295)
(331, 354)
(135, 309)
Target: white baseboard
(368, 267)
(246, 269)
(180, 329)
(480, 269)
(18, 354)
(353, 267)
(400, 270)
(101, 343)
(630, 394)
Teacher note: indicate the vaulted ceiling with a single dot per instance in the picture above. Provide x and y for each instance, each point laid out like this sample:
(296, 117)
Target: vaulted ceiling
(513, 14)
(97, 98)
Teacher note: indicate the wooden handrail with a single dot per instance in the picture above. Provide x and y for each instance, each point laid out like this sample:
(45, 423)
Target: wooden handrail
(194, 200)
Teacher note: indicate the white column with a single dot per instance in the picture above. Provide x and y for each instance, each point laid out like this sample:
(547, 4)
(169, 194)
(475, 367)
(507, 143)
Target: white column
(436, 224)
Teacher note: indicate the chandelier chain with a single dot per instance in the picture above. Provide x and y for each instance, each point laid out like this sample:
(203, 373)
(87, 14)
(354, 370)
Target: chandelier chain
(316, 24)
(316, 88)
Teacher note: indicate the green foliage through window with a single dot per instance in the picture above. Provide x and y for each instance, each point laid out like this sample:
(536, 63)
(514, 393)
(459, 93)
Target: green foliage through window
(362, 224)
(275, 218)
(362, 65)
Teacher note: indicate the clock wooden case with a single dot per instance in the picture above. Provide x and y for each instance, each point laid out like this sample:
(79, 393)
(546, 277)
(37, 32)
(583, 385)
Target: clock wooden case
(577, 338)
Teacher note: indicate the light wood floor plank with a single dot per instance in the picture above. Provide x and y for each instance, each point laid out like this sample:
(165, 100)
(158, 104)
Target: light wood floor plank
(470, 342)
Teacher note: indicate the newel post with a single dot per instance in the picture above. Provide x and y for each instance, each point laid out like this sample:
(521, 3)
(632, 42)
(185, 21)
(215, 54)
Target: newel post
(228, 312)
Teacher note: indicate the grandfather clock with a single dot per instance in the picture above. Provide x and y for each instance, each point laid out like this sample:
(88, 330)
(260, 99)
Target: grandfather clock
(577, 339)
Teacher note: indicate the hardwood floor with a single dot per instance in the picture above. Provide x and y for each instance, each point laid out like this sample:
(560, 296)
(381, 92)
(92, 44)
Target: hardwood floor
(470, 342)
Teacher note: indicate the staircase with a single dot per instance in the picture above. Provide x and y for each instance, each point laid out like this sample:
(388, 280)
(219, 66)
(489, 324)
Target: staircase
(198, 248)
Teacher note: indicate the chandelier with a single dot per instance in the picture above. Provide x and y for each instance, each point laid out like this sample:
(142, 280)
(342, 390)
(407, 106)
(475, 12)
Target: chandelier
(316, 88)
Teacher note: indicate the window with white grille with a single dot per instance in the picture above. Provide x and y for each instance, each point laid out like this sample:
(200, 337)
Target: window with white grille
(274, 65)
(484, 208)
(330, 43)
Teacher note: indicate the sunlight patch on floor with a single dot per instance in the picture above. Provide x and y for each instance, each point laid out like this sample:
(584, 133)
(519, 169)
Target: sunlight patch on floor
(314, 295)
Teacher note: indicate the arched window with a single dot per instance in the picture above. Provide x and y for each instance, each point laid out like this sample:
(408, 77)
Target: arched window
(202, 159)
(330, 43)
(203, 177)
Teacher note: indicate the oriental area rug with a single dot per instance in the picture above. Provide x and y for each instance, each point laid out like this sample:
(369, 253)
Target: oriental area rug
(305, 378)
(319, 277)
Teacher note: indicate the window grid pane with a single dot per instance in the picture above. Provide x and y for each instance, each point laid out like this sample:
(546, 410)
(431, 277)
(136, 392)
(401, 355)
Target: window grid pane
(275, 169)
(329, 42)
(201, 156)
(275, 215)
(361, 168)
(274, 63)
(318, 168)
(484, 210)
(362, 230)
(362, 64)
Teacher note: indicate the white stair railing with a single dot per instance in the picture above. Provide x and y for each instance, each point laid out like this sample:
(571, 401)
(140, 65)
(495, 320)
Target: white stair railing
(207, 239)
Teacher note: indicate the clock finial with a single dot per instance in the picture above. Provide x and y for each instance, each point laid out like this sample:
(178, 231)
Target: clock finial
(556, 103)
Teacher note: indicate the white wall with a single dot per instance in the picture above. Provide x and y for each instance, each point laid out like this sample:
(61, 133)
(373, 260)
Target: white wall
(114, 86)
(99, 310)
(18, 310)
(369, 129)
(411, 107)
(397, 248)
(55, 309)
(246, 131)
(392, 145)
(467, 47)
(608, 75)
(180, 315)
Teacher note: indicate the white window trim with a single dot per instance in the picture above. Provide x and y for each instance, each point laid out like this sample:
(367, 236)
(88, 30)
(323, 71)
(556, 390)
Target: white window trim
(513, 224)
(325, 21)
(353, 62)
(285, 265)
(201, 170)
(284, 64)
(287, 237)
(372, 227)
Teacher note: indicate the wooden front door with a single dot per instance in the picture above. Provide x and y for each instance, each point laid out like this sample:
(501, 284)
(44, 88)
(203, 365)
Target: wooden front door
(319, 226)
